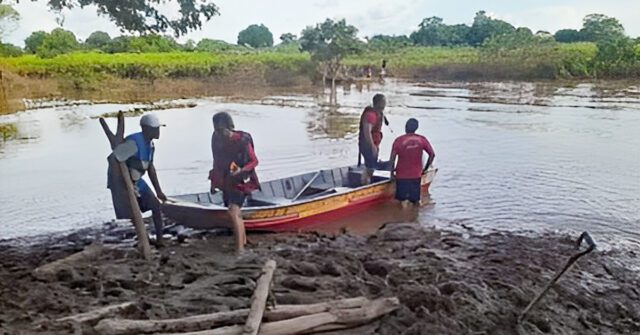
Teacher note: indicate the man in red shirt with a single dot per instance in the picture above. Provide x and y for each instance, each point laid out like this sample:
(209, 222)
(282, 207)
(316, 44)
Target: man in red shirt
(408, 171)
(370, 135)
(234, 163)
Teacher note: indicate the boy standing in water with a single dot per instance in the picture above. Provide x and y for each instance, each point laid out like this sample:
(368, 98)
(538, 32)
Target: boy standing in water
(234, 162)
(408, 171)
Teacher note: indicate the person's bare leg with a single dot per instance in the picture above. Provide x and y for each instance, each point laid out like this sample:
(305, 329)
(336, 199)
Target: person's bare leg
(238, 227)
(158, 226)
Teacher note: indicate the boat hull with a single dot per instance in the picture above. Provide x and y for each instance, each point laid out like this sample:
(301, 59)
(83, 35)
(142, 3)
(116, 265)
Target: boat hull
(290, 217)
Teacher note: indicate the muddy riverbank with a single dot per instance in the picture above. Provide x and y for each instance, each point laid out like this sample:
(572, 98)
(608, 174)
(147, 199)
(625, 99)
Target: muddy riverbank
(447, 283)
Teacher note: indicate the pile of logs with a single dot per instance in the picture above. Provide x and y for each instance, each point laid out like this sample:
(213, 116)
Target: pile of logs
(277, 320)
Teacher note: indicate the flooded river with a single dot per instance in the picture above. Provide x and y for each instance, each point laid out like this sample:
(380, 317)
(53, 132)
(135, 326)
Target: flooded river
(511, 156)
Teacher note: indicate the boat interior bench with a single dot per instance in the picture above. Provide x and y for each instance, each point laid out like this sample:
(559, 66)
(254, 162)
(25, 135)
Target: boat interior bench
(308, 186)
(289, 190)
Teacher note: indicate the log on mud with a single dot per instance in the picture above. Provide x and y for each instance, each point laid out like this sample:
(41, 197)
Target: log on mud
(314, 323)
(97, 314)
(259, 299)
(206, 321)
(50, 271)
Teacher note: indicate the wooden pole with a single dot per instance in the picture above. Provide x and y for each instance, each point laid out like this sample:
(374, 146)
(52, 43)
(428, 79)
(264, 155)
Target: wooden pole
(315, 323)
(49, 271)
(136, 215)
(204, 321)
(95, 315)
(259, 299)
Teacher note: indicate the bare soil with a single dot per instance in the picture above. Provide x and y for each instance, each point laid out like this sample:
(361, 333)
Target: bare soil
(448, 283)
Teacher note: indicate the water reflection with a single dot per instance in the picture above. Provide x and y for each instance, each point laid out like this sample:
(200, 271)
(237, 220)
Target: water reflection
(332, 123)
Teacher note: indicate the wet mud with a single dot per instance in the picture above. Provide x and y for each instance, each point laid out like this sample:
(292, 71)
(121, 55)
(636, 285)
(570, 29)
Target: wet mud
(447, 283)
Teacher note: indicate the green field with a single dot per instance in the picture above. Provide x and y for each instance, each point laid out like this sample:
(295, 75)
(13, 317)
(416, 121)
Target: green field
(150, 65)
(575, 60)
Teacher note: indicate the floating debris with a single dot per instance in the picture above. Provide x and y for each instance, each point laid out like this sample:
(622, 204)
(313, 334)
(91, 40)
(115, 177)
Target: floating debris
(8, 131)
(137, 111)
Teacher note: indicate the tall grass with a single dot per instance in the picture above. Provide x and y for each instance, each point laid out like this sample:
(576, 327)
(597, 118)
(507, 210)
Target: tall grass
(151, 65)
(416, 57)
(555, 60)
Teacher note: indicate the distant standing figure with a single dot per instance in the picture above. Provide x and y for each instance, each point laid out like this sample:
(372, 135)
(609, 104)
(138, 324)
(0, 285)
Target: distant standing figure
(383, 70)
(137, 151)
(408, 170)
(234, 163)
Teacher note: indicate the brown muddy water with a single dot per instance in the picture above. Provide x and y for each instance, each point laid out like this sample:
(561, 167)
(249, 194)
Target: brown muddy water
(511, 156)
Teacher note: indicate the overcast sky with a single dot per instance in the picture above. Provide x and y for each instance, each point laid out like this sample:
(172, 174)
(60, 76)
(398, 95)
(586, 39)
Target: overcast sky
(369, 16)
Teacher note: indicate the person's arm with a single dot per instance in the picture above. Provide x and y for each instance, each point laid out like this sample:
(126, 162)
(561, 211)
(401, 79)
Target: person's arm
(253, 161)
(392, 161)
(156, 184)
(213, 162)
(432, 155)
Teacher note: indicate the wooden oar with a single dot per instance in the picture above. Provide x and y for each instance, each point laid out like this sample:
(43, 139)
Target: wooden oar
(123, 170)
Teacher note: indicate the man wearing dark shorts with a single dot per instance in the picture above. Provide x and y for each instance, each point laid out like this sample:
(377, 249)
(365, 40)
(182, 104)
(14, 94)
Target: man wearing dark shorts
(137, 151)
(234, 163)
(408, 171)
(370, 136)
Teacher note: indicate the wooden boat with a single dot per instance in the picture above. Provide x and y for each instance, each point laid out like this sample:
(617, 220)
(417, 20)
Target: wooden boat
(290, 203)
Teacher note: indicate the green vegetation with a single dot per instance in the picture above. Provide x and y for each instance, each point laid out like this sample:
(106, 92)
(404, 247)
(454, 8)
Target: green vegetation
(410, 58)
(256, 36)
(329, 43)
(487, 49)
(9, 18)
(8, 131)
(151, 65)
(147, 16)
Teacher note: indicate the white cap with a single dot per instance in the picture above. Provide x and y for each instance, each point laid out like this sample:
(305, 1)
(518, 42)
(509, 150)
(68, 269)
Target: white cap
(150, 120)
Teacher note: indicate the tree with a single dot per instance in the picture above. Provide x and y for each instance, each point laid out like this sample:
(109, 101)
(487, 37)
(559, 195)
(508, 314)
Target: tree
(567, 36)
(388, 43)
(329, 42)
(152, 43)
(58, 42)
(190, 45)
(598, 27)
(9, 50)
(484, 27)
(118, 44)
(34, 41)
(9, 18)
(98, 40)
(457, 34)
(522, 52)
(617, 57)
(256, 36)
(209, 45)
(144, 16)
(288, 38)
(431, 32)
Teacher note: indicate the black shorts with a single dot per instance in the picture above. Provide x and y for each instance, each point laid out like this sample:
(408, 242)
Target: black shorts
(233, 197)
(408, 189)
(371, 161)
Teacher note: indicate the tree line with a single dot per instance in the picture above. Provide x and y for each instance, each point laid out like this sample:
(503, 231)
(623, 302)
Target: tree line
(432, 31)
